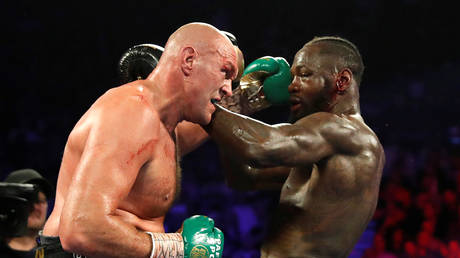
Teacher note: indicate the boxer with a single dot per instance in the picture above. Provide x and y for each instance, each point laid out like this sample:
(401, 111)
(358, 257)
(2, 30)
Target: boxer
(327, 162)
(119, 173)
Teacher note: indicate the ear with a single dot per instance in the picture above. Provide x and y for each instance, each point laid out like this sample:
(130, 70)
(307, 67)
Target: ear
(343, 80)
(188, 56)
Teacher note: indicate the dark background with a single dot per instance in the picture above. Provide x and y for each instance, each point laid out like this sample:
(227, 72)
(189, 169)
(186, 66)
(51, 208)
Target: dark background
(56, 59)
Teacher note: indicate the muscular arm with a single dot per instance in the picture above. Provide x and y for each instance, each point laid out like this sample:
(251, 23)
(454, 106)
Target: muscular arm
(114, 152)
(261, 145)
(241, 176)
(191, 136)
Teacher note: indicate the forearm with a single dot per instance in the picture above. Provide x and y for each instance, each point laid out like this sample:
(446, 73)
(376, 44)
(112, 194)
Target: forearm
(103, 236)
(240, 134)
(88, 227)
(124, 240)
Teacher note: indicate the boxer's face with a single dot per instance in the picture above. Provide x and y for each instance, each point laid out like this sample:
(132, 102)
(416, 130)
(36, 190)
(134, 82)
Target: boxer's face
(37, 216)
(311, 86)
(214, 72)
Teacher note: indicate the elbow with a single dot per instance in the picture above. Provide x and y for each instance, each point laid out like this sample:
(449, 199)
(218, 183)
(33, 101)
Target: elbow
(251, 155)
(256, 157)
(74, 242)
(74, 238)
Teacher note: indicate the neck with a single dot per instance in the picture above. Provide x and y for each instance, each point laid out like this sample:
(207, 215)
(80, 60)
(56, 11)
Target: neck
(167, 97)
(346, 104)
(24, 243)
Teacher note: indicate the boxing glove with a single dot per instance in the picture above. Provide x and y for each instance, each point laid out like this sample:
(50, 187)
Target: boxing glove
(138, 62)
(264, 83)
(201, 238)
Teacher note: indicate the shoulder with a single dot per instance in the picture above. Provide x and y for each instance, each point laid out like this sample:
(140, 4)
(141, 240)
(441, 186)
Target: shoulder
(328, 123)
(134, 100)
(125, 107)
(346, 133)
(321, 119)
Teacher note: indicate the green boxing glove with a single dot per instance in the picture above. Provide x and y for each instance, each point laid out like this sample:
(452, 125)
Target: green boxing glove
(264, 83)
(274, 73)
(201, 238)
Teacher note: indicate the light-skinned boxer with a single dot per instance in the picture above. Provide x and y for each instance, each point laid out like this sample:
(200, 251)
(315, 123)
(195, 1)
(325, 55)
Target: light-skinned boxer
(119, 173)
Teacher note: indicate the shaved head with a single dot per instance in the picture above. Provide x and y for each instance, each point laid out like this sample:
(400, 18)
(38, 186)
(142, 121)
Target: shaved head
(345, 53)
(200, 36)
(198, 65)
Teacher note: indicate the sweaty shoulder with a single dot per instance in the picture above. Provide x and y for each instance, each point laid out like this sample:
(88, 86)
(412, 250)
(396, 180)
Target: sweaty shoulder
(127, 106)
(347, 134)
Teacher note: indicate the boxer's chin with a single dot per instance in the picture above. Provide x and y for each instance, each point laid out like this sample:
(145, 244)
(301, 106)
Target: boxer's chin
(206, 116)
(206, 120)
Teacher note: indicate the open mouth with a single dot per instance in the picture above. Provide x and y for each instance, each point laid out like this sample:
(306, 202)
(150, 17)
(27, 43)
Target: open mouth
(216, 99)
(295, 103)
(295, 107)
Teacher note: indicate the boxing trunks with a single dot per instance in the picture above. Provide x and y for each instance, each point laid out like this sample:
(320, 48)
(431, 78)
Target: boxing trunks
(50, 247)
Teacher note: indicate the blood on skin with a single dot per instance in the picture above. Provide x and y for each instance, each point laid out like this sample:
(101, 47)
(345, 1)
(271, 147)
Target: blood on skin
(144, 147)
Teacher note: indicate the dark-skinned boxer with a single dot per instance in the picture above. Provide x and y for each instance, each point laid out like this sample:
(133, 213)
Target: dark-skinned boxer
(327, 162)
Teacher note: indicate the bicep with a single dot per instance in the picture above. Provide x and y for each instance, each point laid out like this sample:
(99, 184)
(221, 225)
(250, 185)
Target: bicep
(102, 178)
(308, 141)
(296, 145)
(113, 154)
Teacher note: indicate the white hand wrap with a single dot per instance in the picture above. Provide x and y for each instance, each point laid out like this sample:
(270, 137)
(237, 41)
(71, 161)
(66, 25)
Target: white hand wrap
(153, 244)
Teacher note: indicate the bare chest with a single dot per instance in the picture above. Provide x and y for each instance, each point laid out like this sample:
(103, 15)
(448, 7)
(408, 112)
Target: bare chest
(297, 187)
(328, 182)
(157, 183)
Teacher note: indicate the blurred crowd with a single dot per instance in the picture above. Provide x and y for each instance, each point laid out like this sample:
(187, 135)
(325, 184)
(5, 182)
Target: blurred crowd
(418, 214)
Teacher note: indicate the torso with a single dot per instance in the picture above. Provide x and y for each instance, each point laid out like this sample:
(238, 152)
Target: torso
(154, 189)
(324, 208)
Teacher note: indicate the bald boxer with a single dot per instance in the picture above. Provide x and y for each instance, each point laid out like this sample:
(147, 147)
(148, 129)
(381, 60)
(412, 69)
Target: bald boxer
(327, 162)
(119, 174)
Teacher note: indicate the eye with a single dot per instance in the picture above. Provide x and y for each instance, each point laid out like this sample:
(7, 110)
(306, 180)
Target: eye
(226, 72)
(305, 74)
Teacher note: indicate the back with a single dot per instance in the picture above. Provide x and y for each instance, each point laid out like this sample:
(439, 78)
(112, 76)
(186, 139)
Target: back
(324, 208)
(72, 153)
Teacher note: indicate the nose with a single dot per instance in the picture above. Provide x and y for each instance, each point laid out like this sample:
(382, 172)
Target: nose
(294, 86)
(226, 90)
(35, 207)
